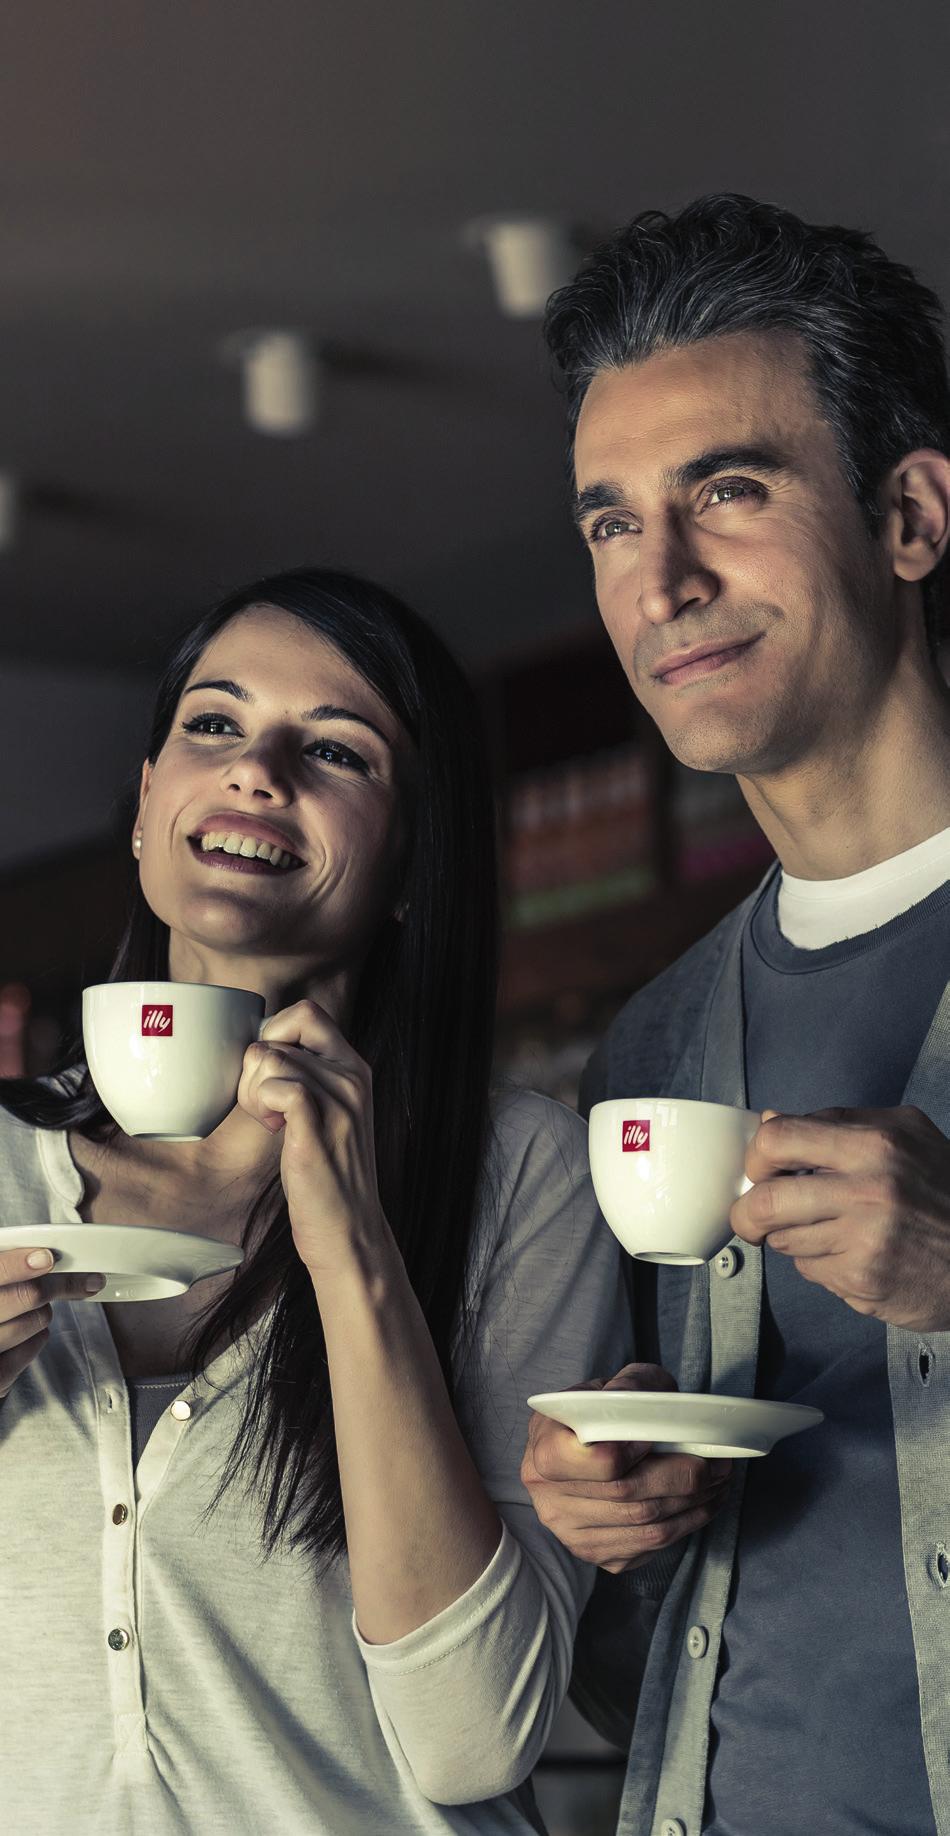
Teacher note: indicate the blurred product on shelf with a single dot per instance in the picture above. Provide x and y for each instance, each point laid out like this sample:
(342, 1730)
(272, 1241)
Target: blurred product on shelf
(714, 828)
(14, 1019)
(578, 838)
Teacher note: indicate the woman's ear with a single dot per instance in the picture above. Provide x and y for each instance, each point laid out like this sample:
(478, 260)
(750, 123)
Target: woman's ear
(917, 513)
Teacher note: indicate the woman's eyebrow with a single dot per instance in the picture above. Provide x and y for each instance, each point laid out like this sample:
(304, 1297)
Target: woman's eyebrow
(326, 711)
(226, 687)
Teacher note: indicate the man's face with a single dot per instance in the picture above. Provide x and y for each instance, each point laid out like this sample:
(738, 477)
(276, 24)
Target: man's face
(748, 604)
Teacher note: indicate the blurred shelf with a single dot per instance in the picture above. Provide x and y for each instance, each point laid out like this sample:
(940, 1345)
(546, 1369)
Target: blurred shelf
(60, 919)
(613, 951)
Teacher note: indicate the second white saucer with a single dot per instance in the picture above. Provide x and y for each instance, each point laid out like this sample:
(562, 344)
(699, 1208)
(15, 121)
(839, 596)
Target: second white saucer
(722, 1427)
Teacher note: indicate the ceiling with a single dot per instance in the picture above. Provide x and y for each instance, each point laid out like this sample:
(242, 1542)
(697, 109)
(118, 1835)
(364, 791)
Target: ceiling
(171, 175)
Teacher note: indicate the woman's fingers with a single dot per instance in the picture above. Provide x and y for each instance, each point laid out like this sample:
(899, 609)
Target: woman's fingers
(26, 1295)
(326, 1082)
(24, 1291)
(24, 1326)
(13, 1363)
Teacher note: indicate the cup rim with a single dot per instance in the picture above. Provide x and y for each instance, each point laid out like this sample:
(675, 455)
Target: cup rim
(731, 1109)
(145, 981)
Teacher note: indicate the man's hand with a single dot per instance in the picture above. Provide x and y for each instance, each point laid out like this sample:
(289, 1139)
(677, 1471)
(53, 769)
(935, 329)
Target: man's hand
(872, 1224)
(615, 1503)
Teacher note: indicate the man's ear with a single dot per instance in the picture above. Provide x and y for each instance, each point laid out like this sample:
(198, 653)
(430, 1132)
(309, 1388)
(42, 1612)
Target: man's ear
(916, 505)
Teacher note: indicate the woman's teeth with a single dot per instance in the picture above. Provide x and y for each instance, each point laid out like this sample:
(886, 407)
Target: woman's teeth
(246, 845)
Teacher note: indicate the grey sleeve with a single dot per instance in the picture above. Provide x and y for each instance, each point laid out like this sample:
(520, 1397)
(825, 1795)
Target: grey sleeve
(470, 1697)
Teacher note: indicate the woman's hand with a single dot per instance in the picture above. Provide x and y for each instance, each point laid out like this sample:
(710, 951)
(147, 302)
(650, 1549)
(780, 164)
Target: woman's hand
(303, 1077)
(25, 1311)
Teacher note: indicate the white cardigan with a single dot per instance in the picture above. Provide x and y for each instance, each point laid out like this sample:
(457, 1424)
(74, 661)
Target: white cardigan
(244, 1701)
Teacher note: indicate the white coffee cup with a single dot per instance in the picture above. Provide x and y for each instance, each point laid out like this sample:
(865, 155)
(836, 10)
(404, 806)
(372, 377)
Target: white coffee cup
(666, 1172)
(166, 1057)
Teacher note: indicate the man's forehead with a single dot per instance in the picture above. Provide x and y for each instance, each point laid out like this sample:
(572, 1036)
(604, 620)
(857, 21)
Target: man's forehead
(746, 389)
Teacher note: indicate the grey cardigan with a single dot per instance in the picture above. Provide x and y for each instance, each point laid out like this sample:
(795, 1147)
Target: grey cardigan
(683, 1036)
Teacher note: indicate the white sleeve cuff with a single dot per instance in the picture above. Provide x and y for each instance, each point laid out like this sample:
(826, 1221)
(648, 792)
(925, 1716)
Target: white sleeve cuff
(456, 1622)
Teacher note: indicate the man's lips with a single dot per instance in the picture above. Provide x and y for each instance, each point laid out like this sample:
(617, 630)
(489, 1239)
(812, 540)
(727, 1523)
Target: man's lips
(701, 660)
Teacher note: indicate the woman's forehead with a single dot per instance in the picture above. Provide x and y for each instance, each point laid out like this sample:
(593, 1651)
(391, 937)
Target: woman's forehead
(270, 642)
(272, 654)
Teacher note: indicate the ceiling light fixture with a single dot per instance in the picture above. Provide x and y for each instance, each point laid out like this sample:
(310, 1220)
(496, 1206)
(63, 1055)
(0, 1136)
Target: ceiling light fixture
(281, 375)
(530, 257)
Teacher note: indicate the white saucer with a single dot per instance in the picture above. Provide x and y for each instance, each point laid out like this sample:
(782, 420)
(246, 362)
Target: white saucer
(721, 1426)
(139, 1263)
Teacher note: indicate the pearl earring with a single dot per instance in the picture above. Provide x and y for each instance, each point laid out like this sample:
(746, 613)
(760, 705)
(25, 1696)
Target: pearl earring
(137, 843)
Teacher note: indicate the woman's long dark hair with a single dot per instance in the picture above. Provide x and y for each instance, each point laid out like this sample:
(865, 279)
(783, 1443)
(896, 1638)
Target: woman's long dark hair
(423, 1020)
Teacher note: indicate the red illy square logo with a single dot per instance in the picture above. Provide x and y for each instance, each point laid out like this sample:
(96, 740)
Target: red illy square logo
(636, 1137)
(157, 1022)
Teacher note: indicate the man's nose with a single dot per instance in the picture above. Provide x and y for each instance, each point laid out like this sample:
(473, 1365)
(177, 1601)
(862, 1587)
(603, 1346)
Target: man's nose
(673, 578)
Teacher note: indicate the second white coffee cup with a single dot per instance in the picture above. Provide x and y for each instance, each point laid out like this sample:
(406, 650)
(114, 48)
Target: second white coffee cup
(166, 1057)
(667, 1171)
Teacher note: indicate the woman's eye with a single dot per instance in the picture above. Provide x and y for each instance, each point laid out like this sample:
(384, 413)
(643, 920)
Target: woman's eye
(732, 489)
(608, 528)
(208, 723)
(331, 752)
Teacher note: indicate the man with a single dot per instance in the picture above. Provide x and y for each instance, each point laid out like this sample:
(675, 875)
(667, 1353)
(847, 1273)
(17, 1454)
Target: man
(761, 420)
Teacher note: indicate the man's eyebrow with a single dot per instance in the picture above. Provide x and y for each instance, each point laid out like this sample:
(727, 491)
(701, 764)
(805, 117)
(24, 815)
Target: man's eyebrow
(606, 494)
(326, 711)
(726, 459)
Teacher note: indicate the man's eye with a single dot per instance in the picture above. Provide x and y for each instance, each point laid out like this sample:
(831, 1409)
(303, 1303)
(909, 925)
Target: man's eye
(208, 723)
(608, 527)
(730, 490)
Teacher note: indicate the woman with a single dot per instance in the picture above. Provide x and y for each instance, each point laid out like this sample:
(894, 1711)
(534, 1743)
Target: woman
(315, 1597)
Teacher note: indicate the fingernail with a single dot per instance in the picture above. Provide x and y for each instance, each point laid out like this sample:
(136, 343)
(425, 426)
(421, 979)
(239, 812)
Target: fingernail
(40, 1259)
(93, 1283)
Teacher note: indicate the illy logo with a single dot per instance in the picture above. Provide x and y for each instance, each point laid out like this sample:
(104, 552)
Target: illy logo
(157, 1020)
(636, 1137)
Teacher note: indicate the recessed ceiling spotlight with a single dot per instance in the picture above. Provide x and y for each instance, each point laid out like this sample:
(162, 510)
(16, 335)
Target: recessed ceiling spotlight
(529, 258)
(281, 375)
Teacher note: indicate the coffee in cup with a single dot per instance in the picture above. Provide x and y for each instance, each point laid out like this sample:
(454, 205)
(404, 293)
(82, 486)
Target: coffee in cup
(667, 1171)
(166, 1057)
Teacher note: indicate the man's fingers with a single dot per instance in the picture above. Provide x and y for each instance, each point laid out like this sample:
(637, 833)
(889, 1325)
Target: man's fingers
(588, 1515)
(630, 1475)
(618, 1552)
(555, 1453)
(788, 1144)
(642, 1377)
(781, 1203)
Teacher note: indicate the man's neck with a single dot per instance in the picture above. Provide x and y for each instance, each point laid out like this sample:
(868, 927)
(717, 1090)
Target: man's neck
(855, 802)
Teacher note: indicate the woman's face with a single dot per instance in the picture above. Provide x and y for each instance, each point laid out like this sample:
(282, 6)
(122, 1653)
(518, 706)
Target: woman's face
(279, 748)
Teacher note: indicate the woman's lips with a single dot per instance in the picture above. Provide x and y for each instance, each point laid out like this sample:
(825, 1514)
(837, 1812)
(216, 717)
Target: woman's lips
(706, 665)
(237, 863)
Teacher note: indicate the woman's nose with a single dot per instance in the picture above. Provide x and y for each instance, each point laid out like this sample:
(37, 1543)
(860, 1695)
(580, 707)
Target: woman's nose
(261, 770)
